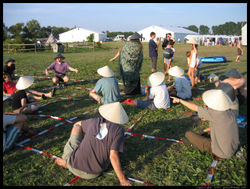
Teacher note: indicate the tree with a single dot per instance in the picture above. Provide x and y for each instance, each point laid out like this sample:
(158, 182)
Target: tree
(33, 28)
(192, 28)
(90, 38)
(204, 29)
(45, 32)
(57, 30)
(229, 28)
(5, 32)
(16, 29)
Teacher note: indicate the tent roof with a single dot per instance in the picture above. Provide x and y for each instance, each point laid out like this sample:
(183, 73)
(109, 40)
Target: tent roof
(81, 29)
(172, 29)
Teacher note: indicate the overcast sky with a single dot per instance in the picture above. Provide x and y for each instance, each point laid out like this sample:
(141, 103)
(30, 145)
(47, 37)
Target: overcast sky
(124, 16)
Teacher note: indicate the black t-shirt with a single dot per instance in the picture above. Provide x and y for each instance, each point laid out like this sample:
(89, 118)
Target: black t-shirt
(9, 69)
(165, 43)
(92, 155)
(17, 97)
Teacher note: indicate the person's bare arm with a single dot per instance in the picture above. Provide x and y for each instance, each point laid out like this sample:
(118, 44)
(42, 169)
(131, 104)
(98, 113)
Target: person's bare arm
(73, 69)
(115, 161)
(115, 57)
(47, 72)
(189, 105)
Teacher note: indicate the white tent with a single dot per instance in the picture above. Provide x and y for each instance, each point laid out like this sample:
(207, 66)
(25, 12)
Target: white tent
(244, 34)
(80, 35)
(177, 32)
(50, 40)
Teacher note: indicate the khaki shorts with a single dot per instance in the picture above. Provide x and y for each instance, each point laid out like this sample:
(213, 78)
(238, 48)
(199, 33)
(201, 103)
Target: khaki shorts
(73, 143)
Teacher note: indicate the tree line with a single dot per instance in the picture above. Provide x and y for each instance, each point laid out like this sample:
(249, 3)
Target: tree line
(228, 28)
(30, 31)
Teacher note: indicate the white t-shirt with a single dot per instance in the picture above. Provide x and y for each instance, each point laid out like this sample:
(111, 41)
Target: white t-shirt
(182, 87)
(192, 59)
(160, 96)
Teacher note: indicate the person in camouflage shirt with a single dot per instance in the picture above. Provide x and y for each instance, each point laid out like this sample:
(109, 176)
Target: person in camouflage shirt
(130, 63)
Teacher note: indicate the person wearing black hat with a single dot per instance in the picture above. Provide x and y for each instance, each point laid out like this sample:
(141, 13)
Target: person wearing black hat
(60, 68)
(238, 83)
(9, 68)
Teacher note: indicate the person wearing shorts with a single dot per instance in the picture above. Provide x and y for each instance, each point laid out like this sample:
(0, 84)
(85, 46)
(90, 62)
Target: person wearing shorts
(95, 143)
(60, 67)
(239, 50)
(153, 50)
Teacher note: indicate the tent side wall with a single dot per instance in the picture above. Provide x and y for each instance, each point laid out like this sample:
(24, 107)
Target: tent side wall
(244, 34)
(158, 31)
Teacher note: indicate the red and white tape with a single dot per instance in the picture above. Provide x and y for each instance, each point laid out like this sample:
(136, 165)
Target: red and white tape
(54, 117)
(131, 127)
(211, 172)
(152, 137)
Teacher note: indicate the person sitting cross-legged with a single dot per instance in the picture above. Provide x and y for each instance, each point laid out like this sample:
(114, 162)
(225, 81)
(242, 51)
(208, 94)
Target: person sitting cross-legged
(157, 97)
(108, 85)
(96, 142)
(181, 87)
(60, 68)
(224, 141)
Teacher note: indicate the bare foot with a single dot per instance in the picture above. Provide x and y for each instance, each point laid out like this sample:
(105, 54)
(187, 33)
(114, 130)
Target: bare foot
(61, 162)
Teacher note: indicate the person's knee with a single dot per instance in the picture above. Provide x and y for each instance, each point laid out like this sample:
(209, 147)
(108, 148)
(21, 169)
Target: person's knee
(65, 79)
(188, 134)
(55, 80)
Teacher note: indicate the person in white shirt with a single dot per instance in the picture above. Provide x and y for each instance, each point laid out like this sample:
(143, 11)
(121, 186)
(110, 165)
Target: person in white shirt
(181, 87)
(158, 97)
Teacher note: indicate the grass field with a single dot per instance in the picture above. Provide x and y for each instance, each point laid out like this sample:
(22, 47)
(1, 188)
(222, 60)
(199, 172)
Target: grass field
(158, 162)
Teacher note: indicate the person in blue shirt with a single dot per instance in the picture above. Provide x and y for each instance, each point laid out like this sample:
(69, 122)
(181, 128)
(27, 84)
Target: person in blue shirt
(108, 86)
(153, 50)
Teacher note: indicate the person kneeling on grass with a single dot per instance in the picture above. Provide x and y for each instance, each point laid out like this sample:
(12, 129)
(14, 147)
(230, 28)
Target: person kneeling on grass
(157, 97)
(89, 155)
(21, 99)
(12, 127)
(181, 87)
(224, 131)
(10, 68)
(108, 85)
(60, 68)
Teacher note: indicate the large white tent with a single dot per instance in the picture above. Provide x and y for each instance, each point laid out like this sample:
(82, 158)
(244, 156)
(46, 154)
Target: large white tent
(244, 34)
(177, 32)
(80, 35)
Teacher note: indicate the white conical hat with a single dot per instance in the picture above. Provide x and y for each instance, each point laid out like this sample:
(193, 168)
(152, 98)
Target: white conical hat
(114, 112)
(216, 99)
(176, 71)
(191, 40)
(156, 79)
(105, 71)
(24, 82)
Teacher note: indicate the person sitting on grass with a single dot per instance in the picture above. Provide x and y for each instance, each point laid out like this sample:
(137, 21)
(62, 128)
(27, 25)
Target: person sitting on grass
(60, 67)
(9, 88)
(157, 97)
(96, 142)
(108, 85)
(181, 87)
(13, 125)
(224, 141)
(238, 83)
(10, 68)
(20, 101)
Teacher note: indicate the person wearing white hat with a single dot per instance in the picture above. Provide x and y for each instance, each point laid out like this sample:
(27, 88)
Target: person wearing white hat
(60, 67)
(108, 86)
(12, 127)
(239, 84)
(96, 142)
(192, 59)
(20, 102)
(224, 141)
(157, 97)
(181, 87)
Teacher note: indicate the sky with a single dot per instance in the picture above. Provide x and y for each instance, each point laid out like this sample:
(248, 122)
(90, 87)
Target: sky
(124, 16)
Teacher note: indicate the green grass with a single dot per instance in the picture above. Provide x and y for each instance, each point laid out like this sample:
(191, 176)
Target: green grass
(158, 162)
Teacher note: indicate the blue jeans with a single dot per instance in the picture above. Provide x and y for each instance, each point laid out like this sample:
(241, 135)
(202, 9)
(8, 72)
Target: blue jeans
(145, 104)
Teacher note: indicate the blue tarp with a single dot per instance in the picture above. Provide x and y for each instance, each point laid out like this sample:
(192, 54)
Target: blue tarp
(213, 59)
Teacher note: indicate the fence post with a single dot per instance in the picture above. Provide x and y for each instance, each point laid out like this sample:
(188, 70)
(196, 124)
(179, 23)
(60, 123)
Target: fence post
(35, 47)
(8, 48)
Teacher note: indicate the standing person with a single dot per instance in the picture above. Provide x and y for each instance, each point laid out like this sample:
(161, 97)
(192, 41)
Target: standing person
(239, 50)
(224, 141)
(60, 67)
(130, 62)
(192, 60)
(235, 79)
(168, 55)
(12, 127)
(167, 40)
(153, 50)
(158, 97)
(108, 85)
(181, 87)
(96, 142)
(10, 68)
